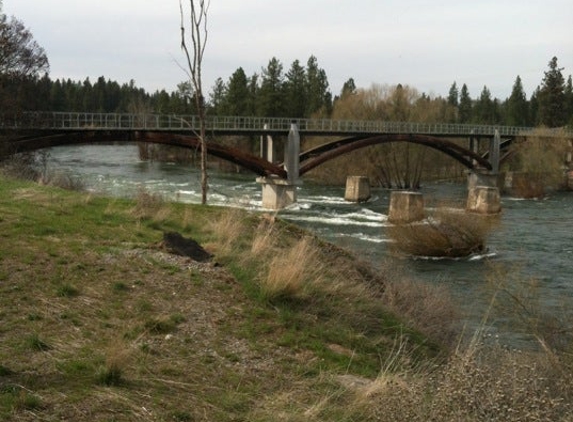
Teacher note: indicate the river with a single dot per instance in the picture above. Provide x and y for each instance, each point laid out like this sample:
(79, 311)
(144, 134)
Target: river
(534, 240)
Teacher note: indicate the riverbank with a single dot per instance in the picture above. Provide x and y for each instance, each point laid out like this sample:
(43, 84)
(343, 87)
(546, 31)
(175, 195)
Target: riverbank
(100, 321)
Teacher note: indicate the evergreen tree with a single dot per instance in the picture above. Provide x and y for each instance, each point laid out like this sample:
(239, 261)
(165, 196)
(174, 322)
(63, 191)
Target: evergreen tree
(451, 109)
(348, 88)
(485, 109)
(296, 91)
(453, 95)
(319, 96)
(217, 97)
(517, 106)
(569, 99)
(552, 102)
(237, 98)
(465, 107)
(270, 97)
(534, 108)
(253, 92)
(58, 101)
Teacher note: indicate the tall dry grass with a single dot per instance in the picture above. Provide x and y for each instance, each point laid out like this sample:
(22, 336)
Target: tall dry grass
(478, 383)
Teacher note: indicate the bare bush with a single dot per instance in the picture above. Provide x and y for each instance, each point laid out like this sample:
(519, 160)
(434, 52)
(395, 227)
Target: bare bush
(538, 164)
(445, 233)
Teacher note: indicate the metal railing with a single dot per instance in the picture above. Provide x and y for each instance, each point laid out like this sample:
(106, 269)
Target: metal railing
(240, 124)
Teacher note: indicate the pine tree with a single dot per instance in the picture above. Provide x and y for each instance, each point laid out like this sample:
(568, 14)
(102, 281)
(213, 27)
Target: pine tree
(319, 96)
(552, 101)
(270, 96)
(237, 96)
(569, 100)
(217, 97)
(517, 106)
(296, 91)
(453, 95)
(465, 107)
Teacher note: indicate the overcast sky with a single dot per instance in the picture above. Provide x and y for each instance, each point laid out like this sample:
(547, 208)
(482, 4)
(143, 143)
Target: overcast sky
(427, 44)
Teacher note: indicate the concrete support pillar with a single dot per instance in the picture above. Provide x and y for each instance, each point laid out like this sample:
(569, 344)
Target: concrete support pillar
(357, 189)
(267, 147)
(494, 152)
(292, 154)
(277, 193)
(280, 193)
(484, 200)
(483, 178)
(406, 207)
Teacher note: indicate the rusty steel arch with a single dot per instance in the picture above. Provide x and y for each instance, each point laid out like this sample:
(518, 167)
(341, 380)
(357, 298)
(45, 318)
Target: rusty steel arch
(326, 152)
(253, 163)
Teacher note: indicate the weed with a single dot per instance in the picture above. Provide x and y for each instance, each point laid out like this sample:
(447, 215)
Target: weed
(35, 343)
(67, 290)
(110, 375)
(119, 286)
(16, 398)
(159, 326)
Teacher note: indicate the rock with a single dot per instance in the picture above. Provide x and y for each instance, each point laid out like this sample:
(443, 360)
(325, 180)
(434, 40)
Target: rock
(179, 245)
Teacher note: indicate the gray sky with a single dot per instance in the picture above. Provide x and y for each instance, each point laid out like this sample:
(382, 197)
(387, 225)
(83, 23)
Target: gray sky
(427, 44)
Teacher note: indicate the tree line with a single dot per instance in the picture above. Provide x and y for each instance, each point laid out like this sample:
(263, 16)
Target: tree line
(300, 91)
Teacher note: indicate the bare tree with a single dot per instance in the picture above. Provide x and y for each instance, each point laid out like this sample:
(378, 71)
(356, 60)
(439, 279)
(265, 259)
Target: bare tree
(197, 23)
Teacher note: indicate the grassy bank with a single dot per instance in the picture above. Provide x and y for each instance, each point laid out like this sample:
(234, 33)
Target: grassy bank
(99, 321)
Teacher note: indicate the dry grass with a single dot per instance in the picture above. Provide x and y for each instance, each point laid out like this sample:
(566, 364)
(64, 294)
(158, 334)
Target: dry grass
(447, 232)
(293, 272)
(229, 230)
(149, 206)
(429, 308)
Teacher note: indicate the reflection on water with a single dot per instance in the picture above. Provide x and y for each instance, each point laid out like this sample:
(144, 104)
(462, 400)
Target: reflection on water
(534, 238)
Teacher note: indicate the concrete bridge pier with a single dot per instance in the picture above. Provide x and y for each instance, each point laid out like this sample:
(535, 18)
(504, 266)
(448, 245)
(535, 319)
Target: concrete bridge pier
(484, 200)
(406, 207)
(267, 146)
(484, 192)
(357, 189)
(279, 193)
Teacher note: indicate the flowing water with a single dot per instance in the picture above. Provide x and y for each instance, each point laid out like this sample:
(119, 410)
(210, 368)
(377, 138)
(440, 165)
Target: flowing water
(534, 240)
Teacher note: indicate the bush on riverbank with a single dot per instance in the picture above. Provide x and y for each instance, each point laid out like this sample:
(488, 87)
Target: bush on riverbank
(538, 165)
(447, 232)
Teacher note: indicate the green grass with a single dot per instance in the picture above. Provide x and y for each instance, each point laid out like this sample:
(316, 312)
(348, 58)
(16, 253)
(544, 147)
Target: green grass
(97, 321)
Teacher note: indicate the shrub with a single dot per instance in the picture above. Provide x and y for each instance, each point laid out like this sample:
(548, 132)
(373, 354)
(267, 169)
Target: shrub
(445, 233)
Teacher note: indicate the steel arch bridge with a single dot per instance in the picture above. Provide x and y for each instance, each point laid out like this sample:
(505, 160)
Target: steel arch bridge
(35, 130)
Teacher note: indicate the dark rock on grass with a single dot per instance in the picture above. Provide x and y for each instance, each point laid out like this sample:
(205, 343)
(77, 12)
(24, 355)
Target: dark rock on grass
(179, 245)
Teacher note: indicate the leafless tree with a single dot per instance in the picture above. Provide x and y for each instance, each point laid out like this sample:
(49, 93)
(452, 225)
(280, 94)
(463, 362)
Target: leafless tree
(20, 55)
(196, 21)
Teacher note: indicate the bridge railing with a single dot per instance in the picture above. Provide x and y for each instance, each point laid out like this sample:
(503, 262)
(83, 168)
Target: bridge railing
(237, 124)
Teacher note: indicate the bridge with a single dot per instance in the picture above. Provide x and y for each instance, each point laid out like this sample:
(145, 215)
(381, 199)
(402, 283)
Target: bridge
(31, 131)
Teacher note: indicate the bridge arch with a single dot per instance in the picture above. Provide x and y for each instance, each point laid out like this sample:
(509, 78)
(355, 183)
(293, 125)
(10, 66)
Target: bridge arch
(255, 164)
(326, 152)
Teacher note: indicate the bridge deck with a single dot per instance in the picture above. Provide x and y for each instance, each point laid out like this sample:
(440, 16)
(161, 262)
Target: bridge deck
(70, 121)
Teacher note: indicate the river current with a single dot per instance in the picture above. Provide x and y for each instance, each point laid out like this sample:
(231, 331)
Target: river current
(533, 242)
